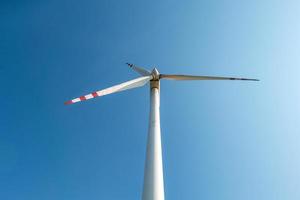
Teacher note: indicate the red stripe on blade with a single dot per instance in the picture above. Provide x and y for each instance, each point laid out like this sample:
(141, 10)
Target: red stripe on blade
(94, 94)
(82, 98)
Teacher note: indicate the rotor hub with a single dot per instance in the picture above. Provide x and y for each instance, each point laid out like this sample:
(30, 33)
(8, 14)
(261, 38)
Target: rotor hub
(155, 74)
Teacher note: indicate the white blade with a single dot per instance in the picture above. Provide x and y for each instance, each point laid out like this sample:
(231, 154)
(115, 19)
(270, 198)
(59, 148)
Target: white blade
(139, 70)
(138, 82)
(188, 77)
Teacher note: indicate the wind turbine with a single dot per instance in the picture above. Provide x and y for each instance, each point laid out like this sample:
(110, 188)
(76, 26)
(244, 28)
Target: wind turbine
(153, 188)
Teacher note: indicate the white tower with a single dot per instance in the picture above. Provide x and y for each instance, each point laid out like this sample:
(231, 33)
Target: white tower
(153, 177)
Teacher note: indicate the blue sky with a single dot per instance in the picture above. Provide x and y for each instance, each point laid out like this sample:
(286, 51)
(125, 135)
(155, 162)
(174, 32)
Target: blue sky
(221, 140)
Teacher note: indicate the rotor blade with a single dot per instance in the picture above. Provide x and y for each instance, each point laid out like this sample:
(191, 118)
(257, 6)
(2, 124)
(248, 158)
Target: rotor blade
(139, 70)
(188, 77)
(138, 82)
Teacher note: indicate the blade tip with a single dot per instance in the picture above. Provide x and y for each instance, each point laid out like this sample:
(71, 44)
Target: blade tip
(68, 102)
(250, 79)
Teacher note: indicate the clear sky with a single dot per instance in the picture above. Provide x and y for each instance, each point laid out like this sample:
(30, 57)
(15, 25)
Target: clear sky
(221, 140)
